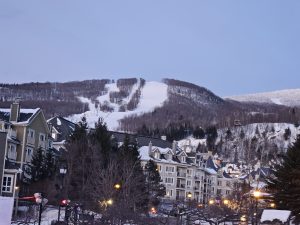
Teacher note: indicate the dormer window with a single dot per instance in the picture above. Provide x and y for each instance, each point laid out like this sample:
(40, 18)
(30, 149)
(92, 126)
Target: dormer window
(183, 159)
(168, 156)
(156, 155)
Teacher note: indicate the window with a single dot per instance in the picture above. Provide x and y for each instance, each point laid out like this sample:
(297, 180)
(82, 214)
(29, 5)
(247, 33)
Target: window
(169, 193)
(156, 155)
(219, 183)
(228, 183)
(7, 183)
(42, 137)
(12, 152)
(183, 158)
(188, 183)
(169, 180)
(227, 192)
(189, 172)
(159, 168)
(28, 156)
(31, 133)
(170, 169)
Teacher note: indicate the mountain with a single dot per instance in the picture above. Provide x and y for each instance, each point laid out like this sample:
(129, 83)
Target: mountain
(134, 104)
(290, 97)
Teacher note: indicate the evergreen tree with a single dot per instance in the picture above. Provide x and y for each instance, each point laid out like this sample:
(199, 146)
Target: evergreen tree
(49, 164)
(154, 187)
(102, 138)
(38, 165)
(77, 165)
(198, 133)
(285, 184)
(211, 136)
(287, 133)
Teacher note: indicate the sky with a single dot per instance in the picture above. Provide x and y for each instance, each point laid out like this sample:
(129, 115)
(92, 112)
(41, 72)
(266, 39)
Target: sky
(230, 47)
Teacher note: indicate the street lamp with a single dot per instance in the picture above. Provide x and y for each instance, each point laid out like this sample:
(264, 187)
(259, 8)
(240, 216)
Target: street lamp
(211, 201)
(117, 186)
(225, 201)
(256, 195)
(62, 172)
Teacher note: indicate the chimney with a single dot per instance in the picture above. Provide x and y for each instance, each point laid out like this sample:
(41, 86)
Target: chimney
(174, 147)
(150, 148)
(15, 111)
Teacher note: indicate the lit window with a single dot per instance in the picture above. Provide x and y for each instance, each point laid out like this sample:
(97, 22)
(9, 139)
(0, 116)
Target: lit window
(7, 183)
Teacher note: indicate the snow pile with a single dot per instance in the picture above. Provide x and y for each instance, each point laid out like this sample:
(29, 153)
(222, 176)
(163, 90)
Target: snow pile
(6, 208)
(153, 95)
(290, 97)
(272, 214)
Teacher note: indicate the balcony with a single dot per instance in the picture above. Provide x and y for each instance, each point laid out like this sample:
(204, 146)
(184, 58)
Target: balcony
(12, 133)
(181, 174)
(182, 186)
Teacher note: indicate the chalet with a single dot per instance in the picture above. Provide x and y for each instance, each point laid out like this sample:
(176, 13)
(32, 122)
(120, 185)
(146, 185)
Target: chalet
(25, 131)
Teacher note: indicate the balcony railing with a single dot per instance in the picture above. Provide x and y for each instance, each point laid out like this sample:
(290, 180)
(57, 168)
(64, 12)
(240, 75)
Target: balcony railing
(181, 174)
(12, 133)
(180, 186)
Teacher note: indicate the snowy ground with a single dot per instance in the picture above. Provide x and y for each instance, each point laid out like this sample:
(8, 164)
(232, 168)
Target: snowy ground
(153, 95)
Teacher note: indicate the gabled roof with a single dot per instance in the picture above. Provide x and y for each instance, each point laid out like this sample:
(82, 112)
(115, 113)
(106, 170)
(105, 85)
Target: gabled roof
(226, 175)
(25, 115)
(210, 164)
(64, 127)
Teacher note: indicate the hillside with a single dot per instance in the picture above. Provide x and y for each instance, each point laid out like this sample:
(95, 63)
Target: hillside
(249, 143)
(289, 97)
(133, 104)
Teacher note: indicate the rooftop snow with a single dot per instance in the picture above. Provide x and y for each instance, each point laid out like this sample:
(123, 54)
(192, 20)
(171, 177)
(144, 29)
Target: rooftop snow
(272, 214)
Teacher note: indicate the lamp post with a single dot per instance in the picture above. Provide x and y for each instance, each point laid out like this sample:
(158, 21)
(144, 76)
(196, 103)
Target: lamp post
(256, 195)
(189, 197)
(62, 172)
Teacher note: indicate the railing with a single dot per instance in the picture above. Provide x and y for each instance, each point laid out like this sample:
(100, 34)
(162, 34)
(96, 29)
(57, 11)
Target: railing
(180, 186)
(12, 133)
(181, 174)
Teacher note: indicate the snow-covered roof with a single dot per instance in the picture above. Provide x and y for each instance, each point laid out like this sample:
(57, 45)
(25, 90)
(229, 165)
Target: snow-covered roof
(24, 118)
(144, 153)
(211, 171)
(272, 214)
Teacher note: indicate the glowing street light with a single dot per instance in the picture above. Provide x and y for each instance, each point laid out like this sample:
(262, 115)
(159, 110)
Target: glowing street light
(189, 195)
(226, 201)
(109, 202)
(117, 186)
(211, 202)
(256, 193)
(272, 205)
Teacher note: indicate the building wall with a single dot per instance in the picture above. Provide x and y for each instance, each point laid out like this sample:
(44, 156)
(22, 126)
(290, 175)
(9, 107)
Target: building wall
(2, 155)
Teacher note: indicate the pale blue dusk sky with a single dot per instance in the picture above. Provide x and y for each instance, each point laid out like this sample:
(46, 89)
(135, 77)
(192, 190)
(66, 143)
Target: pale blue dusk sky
(229, 46)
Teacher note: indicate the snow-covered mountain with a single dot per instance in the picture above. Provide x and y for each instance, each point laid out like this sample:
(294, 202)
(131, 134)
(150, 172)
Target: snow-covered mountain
(151, 95)
(137, 105)
(290, 97)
